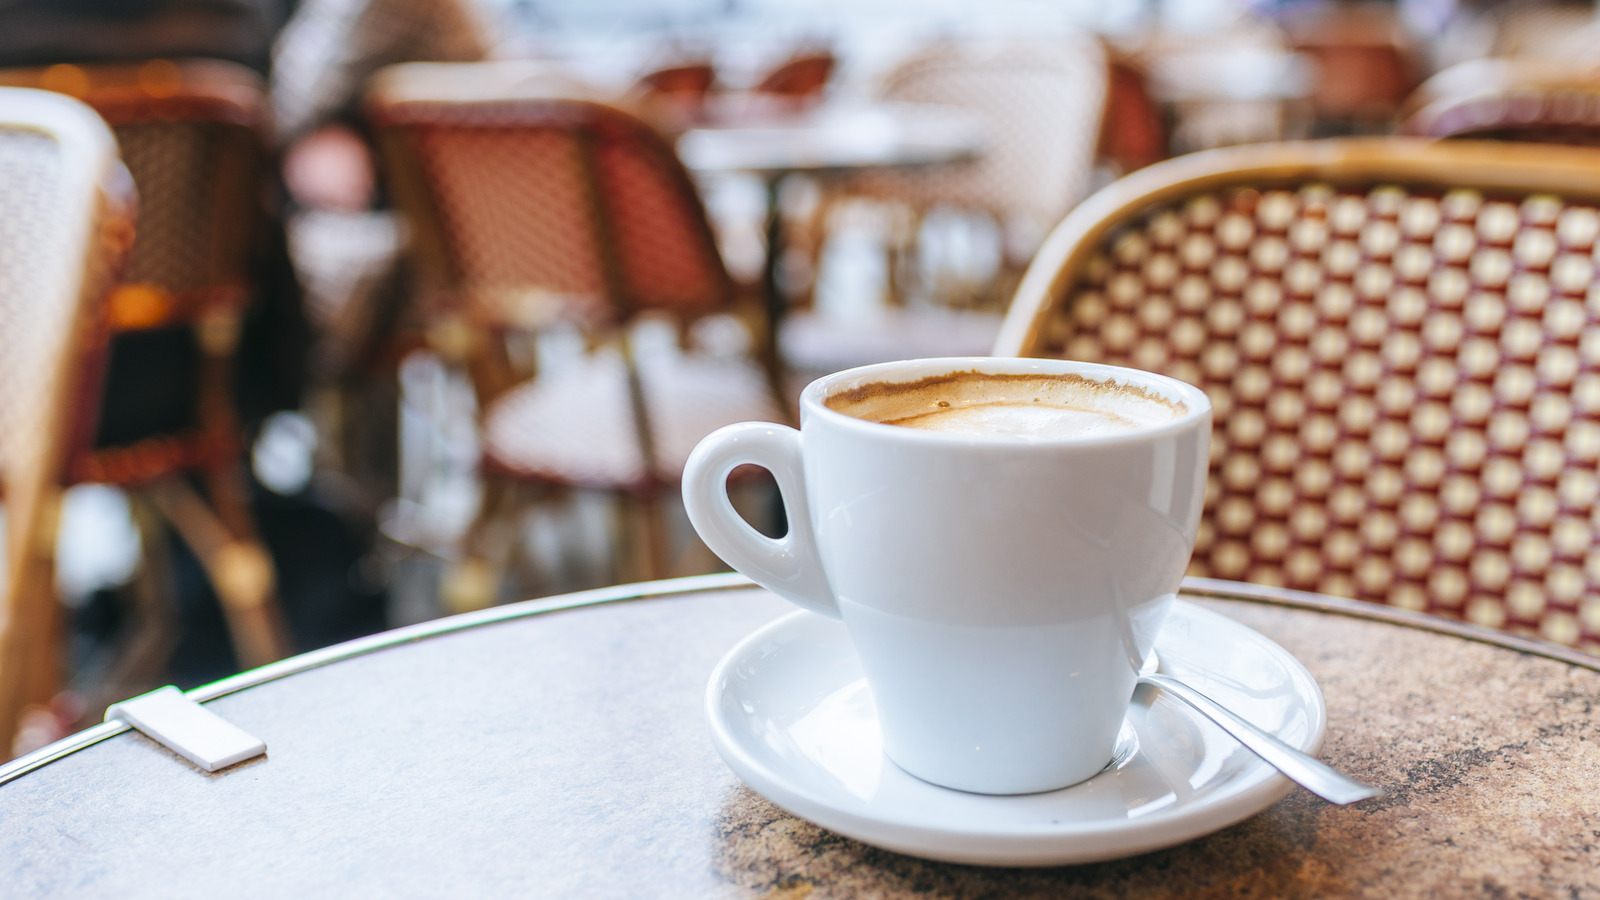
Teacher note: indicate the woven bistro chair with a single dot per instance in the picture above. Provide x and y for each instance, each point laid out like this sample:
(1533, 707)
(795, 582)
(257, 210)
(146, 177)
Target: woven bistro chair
(1550, 101)
(1400, 340)
(534, 212)
(1042, 102)
(192, 133)
(65, 225)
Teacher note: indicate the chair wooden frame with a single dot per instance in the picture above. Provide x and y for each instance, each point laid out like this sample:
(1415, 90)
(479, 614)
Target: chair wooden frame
(1525, 99)
(1042, 318)
(1061, 258)
(96, 212)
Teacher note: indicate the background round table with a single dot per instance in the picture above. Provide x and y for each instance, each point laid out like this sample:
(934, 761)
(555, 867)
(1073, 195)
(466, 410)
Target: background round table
(831, 139)
(557, 748)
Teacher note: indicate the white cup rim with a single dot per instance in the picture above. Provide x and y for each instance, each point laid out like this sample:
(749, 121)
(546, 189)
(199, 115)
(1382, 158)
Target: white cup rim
(811, 399)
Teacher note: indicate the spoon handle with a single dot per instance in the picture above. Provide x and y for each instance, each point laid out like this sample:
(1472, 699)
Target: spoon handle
(1314, 775)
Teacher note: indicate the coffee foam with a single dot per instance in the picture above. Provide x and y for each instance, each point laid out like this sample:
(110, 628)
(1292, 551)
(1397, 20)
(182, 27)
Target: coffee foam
(1028, 406)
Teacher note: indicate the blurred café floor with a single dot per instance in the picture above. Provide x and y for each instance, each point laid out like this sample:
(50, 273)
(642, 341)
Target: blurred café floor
(365, 494)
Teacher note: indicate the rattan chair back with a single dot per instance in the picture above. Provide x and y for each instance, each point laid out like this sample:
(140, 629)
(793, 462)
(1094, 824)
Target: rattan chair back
(193, 134)
(1400, 341)
(530, 207)
(65, 225)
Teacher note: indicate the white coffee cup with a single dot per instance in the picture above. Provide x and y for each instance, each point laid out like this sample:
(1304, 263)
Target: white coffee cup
(1000, 590)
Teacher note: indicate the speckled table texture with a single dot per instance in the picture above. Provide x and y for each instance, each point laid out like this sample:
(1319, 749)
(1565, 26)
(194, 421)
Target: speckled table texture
(564, 755)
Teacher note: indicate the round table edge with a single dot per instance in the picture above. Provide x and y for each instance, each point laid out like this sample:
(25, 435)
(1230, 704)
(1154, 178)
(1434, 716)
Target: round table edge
(1207, 588)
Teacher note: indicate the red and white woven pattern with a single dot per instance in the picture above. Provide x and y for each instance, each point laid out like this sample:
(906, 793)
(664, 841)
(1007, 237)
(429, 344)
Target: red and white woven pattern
(33, 246)
(176, 166)
(561, 207)
(515, 209)
(1407, 389)
(669, 260)
(546, 198)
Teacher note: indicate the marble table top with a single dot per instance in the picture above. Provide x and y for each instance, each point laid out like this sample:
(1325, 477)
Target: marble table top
(556, 748)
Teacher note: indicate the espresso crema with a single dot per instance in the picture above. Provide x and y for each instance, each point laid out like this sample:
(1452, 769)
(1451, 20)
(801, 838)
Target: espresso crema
(1023, 406)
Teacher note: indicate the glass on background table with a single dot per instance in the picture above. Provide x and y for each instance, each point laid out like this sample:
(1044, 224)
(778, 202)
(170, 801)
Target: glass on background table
(559, 747)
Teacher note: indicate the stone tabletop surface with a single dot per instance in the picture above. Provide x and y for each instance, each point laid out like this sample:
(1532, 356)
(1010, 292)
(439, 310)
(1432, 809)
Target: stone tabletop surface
(564, 755)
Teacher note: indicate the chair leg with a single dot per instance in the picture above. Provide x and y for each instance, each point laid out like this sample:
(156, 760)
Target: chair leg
(653, 522)
(31, 668)
(358, 429)
(30, 655)
(527, 571)
(238, 566)
(141, 661)
(652, 525)
(638, 539)
(901, 250)
(474, 581)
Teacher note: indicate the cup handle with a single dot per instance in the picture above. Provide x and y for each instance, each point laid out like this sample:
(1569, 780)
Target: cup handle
(788, 566)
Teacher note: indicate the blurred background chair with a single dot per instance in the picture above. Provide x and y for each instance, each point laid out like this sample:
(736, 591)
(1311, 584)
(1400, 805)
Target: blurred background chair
(556, 216)
(1041, 103)
(1551, 101)
(1399, 339)
(65, 228)
(193, 135)
(800, 78)
(1232, 81)
(1364, 64)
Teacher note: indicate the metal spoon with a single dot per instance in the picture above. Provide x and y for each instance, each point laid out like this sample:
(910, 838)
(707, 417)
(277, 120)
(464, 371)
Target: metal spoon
(1310, 773)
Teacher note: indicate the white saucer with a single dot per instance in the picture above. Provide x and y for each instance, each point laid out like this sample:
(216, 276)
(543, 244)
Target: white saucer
(791, 714)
